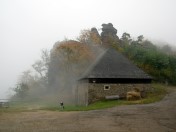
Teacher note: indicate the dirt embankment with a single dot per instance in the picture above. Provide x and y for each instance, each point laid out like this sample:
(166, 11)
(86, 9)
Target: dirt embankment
(156, 117)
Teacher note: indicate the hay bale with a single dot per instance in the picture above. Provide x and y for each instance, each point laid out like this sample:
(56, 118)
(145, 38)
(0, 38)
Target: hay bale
(133, 95)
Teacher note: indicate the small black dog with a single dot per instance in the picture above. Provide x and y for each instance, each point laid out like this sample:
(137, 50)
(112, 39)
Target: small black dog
(62, 105)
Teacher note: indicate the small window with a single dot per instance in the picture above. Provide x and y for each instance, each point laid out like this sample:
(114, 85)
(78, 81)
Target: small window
(106, 87)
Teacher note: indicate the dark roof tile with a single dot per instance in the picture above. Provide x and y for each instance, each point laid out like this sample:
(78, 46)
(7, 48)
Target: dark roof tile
(112, 64)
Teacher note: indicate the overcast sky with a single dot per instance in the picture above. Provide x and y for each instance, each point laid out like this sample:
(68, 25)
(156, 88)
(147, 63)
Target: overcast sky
(27, 26)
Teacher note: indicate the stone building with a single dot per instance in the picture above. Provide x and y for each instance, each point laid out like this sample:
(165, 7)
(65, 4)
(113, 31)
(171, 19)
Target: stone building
(111, 74)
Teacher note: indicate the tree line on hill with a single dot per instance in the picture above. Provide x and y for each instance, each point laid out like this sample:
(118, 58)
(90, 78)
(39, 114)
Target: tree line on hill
(58, 70)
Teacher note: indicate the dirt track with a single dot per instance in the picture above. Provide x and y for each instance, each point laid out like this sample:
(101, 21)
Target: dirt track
(156, 117)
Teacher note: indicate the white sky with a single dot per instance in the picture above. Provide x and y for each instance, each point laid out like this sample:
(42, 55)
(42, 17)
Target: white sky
(27, 26)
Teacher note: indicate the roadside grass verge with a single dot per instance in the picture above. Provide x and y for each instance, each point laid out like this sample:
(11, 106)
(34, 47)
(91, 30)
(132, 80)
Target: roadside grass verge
(158, 92)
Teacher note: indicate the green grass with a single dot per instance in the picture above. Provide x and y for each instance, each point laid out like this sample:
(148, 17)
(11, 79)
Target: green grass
(159, 91)
(98, 105)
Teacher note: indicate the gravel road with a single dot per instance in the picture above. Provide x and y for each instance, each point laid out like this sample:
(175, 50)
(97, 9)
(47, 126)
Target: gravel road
(156, 117)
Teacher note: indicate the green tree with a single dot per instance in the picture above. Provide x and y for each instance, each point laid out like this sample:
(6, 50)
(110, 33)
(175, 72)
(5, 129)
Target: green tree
(167, 49)
(148, 45)
(22, 87)
(126, 38)
(21, 90)
(140, 38)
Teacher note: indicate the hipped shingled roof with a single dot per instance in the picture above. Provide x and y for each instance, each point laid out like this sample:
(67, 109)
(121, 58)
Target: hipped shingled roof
(112, 64)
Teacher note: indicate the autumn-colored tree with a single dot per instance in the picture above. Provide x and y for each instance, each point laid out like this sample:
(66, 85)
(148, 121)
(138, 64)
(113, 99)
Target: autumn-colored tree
(95, 37)
(84, 36)
(69, 59)
(70, 53)
(89, 36)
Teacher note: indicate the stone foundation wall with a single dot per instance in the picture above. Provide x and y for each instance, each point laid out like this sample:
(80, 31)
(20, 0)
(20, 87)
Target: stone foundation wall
(96, 91)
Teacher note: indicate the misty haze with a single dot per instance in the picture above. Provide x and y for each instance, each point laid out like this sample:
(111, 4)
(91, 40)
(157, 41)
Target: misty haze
(88, 65)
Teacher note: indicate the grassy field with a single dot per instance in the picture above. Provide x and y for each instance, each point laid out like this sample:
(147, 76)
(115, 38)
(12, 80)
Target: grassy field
(159, 91)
